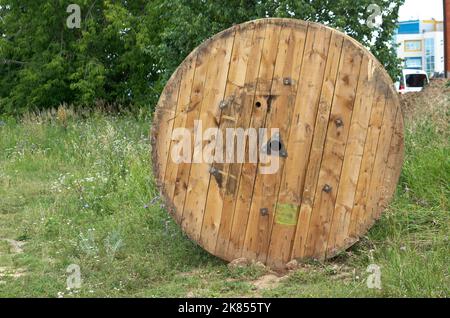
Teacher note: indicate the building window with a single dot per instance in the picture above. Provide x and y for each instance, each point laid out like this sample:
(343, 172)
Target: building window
(413, 63)
(413, 46)
(429, 56)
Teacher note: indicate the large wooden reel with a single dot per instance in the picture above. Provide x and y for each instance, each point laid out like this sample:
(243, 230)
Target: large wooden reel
(340, 142)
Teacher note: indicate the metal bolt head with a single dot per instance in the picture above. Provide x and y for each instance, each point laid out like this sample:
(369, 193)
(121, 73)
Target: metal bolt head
(223, 104)
(339, 122)
(264, 211)
(213, 171)
(287, 81)
(283, 153)
(327, 188)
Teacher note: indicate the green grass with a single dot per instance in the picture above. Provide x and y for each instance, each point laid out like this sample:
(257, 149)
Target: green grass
(81, 192)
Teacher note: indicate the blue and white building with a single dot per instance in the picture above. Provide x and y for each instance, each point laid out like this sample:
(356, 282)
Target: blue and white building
(421, 45)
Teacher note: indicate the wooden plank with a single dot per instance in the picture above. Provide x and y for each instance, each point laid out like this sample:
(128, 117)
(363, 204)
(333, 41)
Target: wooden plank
(283, 97)
(387, 188)
(352, 160)
(335, 144)
(235, 81)
(249, 169)
(395, 157)
(316, 152)
(396, 154)
(319, 53)
(193, 113)
(250, 116)
(179, 119)
(199, 176)
(162, 124)
(370, 148)
(282, 234)
(377, 183)
(242, 112)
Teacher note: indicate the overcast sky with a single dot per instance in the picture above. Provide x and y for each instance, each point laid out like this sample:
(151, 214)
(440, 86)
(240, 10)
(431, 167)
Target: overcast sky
(421, 9)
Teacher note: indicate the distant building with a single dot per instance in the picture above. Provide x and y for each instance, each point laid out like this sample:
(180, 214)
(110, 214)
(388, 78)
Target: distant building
(421, 45)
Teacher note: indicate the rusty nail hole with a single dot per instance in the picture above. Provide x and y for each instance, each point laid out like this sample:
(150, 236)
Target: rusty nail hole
(327, 188)
(258, 104)
(264, 211)
(339, 122)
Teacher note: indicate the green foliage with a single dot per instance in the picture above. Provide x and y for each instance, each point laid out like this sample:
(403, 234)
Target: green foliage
(126, 50)
(44, 63)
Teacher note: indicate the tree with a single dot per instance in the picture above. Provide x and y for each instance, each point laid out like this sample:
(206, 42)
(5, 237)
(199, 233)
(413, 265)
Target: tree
(126, 50)
(44, 63)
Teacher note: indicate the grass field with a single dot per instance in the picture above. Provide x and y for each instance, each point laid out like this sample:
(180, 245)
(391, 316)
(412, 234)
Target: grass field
(78, 189)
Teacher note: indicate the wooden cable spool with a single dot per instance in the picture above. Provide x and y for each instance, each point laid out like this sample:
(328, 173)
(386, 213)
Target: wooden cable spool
(339, 142)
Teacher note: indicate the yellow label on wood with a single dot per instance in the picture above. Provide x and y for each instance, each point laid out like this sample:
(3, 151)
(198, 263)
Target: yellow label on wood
(286, 214)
